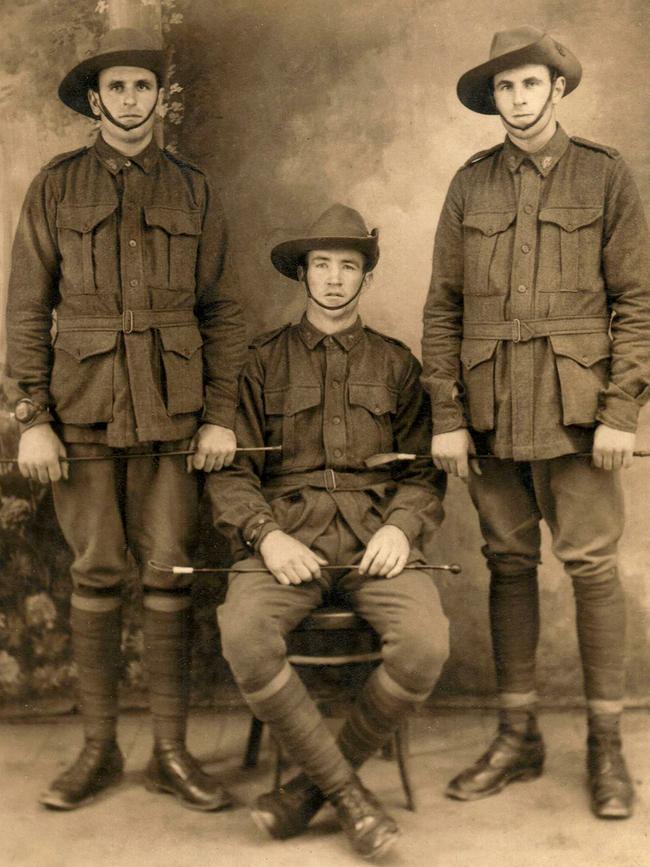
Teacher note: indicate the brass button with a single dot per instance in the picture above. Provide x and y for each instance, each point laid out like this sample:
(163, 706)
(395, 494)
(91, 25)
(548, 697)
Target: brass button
(127, 163)
(336, 383)
(521, 288)
(528, 209)
(132, 243)
(525, 248)
(336, 419)
(133, 283)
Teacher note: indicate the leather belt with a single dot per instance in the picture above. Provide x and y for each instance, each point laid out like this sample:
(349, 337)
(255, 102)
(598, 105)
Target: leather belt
(523, 330)
(330, 480)
(128, 322)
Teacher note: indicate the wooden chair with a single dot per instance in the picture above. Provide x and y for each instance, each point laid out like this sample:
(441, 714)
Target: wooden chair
(328, 625)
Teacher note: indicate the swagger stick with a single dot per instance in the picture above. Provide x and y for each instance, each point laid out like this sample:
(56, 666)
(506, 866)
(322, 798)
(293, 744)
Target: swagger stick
(379, 460)
(130, 455)
(454, 568)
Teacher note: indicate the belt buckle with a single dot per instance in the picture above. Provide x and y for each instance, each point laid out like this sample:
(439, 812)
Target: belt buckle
(330, 480)
(516, 331)
(127, 322)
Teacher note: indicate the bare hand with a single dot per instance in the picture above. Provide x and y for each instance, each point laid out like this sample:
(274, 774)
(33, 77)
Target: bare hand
(289, 560)
(386, 553)
(41, 455)
(612, 448)
(215, 448)
(450, 453)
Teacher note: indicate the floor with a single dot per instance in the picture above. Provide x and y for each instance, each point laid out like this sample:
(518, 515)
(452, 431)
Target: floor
(544, 823)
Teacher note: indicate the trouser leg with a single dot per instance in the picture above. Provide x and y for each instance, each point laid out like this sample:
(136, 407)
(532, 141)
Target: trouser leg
(509, 515)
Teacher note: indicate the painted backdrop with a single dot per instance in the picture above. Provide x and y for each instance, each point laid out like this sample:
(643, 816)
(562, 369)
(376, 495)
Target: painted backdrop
(292, 104)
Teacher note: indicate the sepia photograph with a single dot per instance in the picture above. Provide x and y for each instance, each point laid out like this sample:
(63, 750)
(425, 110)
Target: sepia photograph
(324, 439)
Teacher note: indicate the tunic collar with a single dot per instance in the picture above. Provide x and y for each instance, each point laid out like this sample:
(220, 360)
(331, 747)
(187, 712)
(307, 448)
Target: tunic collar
(115, 161)
(544, 160)
(346, 339)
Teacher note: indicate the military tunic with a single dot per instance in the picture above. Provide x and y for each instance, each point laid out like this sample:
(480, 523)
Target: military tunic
(123, 329)
(533, 255)
(331, 402)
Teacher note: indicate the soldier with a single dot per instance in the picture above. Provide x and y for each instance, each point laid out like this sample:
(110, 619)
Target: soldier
(536, 350)
(332, 392)
(124, 244)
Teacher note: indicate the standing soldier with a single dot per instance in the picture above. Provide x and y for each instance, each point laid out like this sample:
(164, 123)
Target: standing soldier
(536, 349)
(121, 246)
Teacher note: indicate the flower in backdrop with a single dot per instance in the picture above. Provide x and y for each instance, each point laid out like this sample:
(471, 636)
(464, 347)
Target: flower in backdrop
(40, 611)
(10, 675)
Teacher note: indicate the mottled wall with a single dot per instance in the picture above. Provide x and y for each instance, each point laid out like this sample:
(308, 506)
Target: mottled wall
(291, 104)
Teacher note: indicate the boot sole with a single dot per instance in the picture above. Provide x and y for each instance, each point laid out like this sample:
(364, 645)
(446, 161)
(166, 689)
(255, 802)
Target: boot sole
(525, 775)
(162, 789)
(54, 800)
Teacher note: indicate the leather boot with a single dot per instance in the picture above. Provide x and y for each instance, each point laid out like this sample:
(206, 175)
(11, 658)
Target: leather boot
(174, 771)
(513, 756)
(288, 811)
(368, 827)
(610, 785)
(98, 766)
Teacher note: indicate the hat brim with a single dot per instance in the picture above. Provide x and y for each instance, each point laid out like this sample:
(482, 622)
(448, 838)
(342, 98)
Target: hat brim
(474, 87)
(73, 90)
(288, 255)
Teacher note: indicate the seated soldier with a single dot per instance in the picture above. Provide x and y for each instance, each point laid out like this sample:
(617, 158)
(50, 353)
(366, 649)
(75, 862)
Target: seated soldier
(332, 392)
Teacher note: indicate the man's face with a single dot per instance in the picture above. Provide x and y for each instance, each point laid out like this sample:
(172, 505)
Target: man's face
(525, 97)
(334, 276)
(129, 93)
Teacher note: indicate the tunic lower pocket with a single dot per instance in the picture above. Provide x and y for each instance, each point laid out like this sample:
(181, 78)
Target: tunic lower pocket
(81, 385)
(582, 362)
(477, 357)
(183, 366)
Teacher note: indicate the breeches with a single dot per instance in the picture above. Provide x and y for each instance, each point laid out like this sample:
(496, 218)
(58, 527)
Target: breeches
(405, 611)
(145, 506)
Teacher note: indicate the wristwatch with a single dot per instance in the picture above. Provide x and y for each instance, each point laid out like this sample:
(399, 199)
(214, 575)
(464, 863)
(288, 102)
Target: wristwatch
(26, 410)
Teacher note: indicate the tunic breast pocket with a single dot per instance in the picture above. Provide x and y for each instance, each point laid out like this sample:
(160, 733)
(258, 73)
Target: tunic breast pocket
(87, 242)
(488, 252)
(171, 243)
(570, 249)
(295, 411)
(371, 426)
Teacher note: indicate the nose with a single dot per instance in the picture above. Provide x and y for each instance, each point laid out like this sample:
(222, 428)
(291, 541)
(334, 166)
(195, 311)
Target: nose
(519, 94)
(334, 277)
(129, 96)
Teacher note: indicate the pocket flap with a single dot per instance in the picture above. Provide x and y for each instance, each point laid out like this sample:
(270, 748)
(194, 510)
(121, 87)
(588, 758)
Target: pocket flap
(570, 219)
(84, 344)
(182, 339)
(175, 221)
(374, 397)
(586, 349)
(476, 351)
(489, 223)
(291, 400)
(83, 218)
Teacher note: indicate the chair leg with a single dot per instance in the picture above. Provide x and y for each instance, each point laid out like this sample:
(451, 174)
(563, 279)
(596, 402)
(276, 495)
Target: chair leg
(401, 741)
(253, 745)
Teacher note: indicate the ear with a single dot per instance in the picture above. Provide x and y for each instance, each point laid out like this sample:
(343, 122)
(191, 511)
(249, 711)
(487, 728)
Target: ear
(559, 86)
(367, 280)
(300, 271)
(94, 104)
(160, 101)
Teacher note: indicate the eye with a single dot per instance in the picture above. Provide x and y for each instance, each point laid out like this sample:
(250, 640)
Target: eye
(144, 85)
(116, 86)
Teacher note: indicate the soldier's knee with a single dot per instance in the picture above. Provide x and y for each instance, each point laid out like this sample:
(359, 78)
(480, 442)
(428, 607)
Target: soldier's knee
(246, 634)
(420, 654)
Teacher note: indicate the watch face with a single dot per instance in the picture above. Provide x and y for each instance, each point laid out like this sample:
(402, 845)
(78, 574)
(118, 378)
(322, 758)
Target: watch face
(24, 411)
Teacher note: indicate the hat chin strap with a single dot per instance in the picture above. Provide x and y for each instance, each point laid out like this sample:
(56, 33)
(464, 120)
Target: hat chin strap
(338, 306)
(115, 121)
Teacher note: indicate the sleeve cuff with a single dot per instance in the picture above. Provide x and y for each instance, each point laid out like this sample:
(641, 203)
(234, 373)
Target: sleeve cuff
(618, 410)
(256, 530)
(407, 522)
